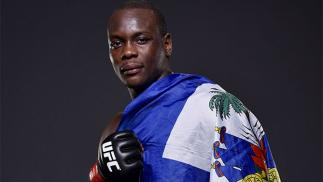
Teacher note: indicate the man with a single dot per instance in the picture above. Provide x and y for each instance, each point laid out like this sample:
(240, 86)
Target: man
(178, 127)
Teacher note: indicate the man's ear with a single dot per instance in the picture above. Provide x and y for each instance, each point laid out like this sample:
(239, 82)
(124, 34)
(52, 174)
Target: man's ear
(168, 44)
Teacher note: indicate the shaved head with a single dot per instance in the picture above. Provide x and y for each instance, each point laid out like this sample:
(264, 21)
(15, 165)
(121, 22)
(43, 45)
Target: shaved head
(161, 22)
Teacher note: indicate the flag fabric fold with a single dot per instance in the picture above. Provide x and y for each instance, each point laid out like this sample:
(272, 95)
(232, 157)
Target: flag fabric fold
(193, 130)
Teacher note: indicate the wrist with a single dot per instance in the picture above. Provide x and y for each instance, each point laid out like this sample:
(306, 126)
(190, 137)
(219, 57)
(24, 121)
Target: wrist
(95, 175)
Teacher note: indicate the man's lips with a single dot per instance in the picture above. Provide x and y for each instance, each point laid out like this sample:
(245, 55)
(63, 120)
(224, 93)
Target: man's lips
(130, 68)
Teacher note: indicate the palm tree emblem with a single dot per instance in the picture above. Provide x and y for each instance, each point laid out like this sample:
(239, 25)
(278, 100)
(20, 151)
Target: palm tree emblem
(222, 101)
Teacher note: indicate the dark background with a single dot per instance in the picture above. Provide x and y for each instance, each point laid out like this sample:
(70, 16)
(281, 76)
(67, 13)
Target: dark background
(58, 89)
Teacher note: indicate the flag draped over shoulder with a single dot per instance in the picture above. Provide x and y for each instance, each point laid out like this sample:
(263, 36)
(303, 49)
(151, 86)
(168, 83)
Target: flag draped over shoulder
(194, 131)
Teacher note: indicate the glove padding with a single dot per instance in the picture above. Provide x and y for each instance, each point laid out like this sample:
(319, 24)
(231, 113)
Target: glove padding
(120, 157)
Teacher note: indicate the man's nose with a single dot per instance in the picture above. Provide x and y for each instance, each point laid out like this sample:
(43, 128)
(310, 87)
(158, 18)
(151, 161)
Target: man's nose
(129, 51)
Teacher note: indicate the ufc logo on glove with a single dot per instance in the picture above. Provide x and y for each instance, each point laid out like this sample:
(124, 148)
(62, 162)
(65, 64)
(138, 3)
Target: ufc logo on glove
(108, 153)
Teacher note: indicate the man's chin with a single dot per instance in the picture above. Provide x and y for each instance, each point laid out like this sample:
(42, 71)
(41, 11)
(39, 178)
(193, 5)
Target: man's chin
(134, 82)
(139, 81)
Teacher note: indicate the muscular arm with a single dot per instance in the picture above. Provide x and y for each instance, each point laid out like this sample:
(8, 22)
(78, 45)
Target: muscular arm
(109, 129)
(111, 126)
(115, 150)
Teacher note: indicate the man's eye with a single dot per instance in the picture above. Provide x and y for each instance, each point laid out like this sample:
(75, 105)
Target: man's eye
(115, 44)
(142, 40)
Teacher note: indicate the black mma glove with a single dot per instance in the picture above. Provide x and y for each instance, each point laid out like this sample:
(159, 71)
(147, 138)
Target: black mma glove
(120, 157)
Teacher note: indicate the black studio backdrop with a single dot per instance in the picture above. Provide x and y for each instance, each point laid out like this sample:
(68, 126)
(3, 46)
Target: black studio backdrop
(58, 89)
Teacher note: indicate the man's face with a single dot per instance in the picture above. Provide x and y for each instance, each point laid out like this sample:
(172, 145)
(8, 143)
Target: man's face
(137, 50)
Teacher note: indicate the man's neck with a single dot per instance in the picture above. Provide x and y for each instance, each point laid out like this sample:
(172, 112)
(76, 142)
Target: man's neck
(134, 92)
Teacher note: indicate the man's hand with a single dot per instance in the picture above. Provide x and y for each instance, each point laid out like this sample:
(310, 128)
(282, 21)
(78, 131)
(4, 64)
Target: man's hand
(119, 159)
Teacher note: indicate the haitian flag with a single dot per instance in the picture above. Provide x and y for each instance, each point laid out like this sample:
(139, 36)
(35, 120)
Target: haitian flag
(193, 131)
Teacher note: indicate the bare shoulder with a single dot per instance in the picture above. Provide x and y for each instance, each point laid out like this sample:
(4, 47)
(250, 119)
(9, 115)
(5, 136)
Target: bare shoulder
(111, 126)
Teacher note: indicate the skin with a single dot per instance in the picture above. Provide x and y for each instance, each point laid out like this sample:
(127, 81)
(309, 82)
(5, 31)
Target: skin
(138, 52)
